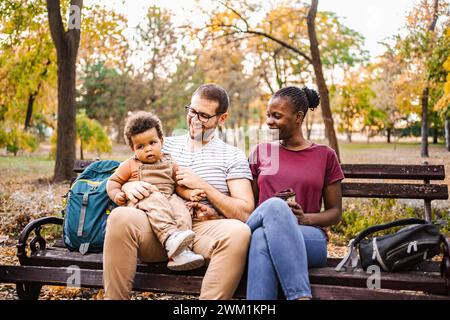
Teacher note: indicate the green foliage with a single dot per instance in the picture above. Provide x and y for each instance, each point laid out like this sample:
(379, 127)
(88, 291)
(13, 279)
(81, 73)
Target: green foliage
(360, 214)
(103, 94)
(90, 136)
(353, 105)
(14, 139)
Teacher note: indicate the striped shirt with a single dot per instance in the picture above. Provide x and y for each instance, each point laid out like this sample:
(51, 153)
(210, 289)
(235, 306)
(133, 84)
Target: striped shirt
(216, 162)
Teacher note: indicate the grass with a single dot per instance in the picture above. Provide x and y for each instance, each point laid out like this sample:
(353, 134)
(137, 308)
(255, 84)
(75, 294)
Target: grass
(24, 166)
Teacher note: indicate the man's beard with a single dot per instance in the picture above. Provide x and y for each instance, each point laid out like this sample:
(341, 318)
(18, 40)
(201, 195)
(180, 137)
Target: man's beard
(201, 135)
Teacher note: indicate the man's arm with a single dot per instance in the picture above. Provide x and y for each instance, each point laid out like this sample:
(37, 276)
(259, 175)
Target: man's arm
(238, 205)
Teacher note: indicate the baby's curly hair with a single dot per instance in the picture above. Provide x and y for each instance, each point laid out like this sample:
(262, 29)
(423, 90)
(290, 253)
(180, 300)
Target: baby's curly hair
(140, 122)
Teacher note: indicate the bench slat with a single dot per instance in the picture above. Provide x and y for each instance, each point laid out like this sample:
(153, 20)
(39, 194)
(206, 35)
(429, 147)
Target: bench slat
(181, 284)
(80, 165)
(407, 281)
(394, 171)
(401, 191)
(64, 258)
(360, 171)
(401, 281)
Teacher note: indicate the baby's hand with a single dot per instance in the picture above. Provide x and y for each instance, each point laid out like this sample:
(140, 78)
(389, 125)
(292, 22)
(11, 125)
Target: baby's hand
(197, 195)
(120, 198)
(202, 212)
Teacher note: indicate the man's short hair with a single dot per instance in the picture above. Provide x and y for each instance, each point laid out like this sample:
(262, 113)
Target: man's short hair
(213, 92)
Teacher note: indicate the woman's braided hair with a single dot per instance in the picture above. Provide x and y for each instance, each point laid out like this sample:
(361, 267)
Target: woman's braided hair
(300, 99)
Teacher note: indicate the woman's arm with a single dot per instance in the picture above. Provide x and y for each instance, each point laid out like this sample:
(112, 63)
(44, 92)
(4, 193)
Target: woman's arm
(332, 196)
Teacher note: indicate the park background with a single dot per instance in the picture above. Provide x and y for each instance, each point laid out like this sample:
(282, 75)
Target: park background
(381, 67)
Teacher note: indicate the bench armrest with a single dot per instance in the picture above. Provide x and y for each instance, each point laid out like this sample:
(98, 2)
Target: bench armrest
(35, 226)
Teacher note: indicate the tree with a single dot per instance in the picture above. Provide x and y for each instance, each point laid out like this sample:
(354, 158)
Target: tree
(66, 44)
(287, 31)
(226, 68)
(417, 47)
(443, 105)
(352, 100)
(386, 72)
(91, 136)
(320, 79)
(158, 39)
(104, 94)
(164, 62)
(14, 139)
(27, 65)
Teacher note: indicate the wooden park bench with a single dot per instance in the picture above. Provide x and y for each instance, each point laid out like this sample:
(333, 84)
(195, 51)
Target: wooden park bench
(41, 264)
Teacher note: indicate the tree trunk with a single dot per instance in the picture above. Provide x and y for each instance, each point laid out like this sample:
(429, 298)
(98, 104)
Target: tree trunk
(447, 132)
(426, 91)
(120, 127)
(81, 150)
(349, 136)
(32, 98)
(435, 134)
(66, 43)
(320, 80)
(388, 132)
(424, 132)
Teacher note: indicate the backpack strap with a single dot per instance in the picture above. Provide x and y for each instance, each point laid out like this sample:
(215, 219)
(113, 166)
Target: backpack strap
(379, 227)
(82, 214)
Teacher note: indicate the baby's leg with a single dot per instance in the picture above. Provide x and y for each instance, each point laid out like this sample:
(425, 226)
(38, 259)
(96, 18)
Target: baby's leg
(186, 259)
(180, 213)
(159, 212)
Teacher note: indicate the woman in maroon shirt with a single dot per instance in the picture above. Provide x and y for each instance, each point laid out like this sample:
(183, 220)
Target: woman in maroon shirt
(289, 236)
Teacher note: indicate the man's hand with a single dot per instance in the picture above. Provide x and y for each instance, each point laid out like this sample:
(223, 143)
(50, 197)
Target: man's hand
(203, 212)
(197, 195)
(138, 190)
(120, 198)
(188, 178)
(298, 212)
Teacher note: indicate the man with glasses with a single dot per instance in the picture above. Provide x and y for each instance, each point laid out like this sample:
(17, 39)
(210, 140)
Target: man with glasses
(222, 237)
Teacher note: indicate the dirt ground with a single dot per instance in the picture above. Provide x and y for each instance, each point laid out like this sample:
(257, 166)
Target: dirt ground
(26, 193)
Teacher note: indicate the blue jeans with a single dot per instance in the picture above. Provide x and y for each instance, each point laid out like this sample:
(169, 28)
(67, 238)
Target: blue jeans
(281, 251)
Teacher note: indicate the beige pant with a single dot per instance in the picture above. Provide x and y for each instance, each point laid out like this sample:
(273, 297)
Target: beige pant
(165, 214)
(129, 236)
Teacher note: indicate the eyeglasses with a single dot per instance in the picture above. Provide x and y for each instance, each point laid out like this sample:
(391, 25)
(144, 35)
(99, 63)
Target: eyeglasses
(202, 117)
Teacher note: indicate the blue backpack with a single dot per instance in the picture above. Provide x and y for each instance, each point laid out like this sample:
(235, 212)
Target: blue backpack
(87, 208)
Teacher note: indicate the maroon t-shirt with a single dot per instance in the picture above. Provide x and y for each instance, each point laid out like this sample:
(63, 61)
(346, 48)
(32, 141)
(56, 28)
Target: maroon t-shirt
(306, 171)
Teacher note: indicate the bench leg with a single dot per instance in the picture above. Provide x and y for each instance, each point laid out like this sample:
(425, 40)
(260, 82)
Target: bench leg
(28, 290)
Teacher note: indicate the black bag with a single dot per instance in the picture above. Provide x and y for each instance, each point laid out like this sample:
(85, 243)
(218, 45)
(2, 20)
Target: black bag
(399, 251)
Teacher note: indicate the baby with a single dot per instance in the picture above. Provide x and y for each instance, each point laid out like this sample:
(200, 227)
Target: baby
(168, 215)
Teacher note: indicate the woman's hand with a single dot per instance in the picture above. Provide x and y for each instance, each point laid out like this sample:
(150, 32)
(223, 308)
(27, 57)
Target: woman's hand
(138, 190)
(298, 212)
(202, 212)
